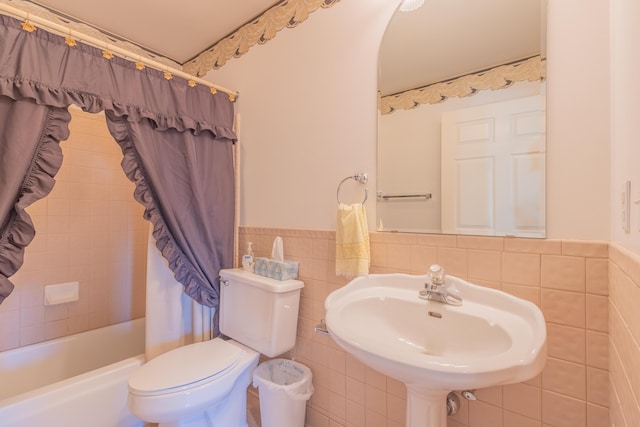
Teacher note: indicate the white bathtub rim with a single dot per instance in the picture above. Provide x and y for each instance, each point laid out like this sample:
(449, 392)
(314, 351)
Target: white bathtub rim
(53, 361)
(96, 398)
(62, 386)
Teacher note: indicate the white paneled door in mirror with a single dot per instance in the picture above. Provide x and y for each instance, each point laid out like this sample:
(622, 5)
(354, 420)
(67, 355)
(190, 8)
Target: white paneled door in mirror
(492, 170)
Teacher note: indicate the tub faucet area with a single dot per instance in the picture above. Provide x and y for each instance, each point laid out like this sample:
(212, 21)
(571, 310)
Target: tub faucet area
(436, 288)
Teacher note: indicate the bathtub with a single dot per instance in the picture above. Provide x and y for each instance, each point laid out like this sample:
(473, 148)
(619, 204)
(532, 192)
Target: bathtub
(79, 380)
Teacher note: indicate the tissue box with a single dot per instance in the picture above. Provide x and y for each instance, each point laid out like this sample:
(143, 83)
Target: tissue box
(279, 270)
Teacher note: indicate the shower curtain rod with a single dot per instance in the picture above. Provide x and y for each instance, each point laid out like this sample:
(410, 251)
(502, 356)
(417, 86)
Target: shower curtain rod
(6, 9)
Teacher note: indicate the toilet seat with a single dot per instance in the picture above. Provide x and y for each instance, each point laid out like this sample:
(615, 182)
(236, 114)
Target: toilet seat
(184, 367)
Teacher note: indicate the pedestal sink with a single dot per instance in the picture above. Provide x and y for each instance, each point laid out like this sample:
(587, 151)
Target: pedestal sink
(491, 339)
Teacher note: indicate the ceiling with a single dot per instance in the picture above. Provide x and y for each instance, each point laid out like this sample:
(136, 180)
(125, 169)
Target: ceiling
(178, 30)
(444, 39)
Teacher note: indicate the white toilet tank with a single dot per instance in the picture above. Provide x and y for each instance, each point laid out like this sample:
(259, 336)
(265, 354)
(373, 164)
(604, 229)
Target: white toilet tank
(259, 312)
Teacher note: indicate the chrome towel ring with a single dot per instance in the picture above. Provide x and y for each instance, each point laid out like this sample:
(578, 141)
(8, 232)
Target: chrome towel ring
(360, 177)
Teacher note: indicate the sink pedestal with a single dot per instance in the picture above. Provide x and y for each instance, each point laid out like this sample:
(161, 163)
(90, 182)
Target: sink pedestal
(426, 407)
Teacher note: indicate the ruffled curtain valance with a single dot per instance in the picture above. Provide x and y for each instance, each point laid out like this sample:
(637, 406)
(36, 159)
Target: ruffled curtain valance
(41, 66)
(176, 140)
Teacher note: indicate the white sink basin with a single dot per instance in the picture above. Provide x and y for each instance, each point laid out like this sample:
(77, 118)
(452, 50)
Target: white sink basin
(491, 339)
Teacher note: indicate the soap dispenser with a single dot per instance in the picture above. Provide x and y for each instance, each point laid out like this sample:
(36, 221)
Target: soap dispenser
(248, 260)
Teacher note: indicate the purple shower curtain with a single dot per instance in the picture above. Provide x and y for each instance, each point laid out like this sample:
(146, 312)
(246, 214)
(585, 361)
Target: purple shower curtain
(29, 158)
(176, 141)
(185, 182)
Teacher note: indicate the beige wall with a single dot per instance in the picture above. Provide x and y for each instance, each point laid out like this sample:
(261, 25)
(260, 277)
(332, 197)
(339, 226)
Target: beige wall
(89, 229)
(568, 279)
(308, 116)
(578, 120)
(625, 126)
(624, 320)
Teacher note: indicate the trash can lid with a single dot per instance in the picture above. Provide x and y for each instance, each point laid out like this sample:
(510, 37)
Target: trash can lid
(183, 366)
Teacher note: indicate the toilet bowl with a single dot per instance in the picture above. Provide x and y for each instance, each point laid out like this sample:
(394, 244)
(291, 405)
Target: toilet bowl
(201, 384)
(205, 384)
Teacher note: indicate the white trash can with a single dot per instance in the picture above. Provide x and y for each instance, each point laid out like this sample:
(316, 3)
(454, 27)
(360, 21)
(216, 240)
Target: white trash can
(284, 386)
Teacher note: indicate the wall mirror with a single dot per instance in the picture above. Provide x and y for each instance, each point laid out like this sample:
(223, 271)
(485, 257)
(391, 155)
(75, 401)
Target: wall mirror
(461, 125)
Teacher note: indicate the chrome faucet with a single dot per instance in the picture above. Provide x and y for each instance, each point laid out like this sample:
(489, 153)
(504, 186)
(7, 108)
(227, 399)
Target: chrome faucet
(436, 289)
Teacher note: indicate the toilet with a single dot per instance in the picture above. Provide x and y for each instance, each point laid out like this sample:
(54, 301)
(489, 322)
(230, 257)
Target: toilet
(205, 384)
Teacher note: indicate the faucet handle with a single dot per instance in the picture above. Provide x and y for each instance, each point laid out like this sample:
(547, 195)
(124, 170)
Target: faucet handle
(436, 274)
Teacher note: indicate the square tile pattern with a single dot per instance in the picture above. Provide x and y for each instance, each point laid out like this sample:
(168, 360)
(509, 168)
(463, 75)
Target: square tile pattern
(568, 280)
(90, 230)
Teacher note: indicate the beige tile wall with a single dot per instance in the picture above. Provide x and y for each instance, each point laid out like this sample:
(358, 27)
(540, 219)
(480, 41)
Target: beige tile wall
(624, 337)
(89, 229)
(567, 279)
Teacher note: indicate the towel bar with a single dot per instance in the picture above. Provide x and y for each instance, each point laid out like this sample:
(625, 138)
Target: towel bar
(382, 196)
(321, 328)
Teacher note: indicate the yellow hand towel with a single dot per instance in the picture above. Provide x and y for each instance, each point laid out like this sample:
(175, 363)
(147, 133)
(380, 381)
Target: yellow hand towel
(352, 241)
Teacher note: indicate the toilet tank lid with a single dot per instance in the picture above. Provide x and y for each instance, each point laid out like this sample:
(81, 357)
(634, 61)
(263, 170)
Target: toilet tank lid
(266, 283)
(184, 365)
